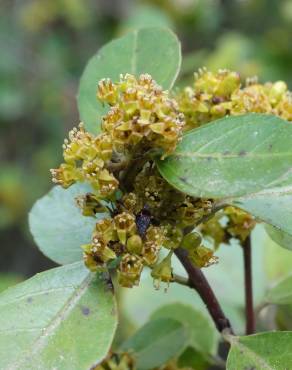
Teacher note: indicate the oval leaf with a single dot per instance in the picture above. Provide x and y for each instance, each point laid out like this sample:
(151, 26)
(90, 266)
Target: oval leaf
(157, 342)
(58, 226)
(233, 156)
(202, 333)
(267, 351)
(45, 320)
(148, 50)
(280, 293)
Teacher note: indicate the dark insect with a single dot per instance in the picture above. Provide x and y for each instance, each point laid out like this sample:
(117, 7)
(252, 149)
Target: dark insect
(143, 220)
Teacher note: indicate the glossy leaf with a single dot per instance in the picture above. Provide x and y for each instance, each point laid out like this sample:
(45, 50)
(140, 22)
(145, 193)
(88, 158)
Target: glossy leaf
(266, 351)
(233, 156)
(58, 226)
(202, 333)
(64, 318)
(281, 293)
(148, 50)
(157, 342)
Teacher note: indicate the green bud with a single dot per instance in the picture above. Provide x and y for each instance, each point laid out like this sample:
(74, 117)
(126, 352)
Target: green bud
(135, 244)
(276, 92)
(191, 241)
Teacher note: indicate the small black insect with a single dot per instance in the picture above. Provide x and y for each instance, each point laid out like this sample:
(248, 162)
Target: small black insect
(143, 220)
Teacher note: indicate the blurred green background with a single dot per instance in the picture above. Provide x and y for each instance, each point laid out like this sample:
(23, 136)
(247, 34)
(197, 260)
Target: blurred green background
(45, 45)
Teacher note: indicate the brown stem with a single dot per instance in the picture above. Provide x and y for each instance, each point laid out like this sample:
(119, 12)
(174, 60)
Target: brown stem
(249, 311)
(198, 282)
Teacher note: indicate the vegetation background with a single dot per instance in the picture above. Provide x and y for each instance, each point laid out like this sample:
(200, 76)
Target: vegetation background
(45, 45)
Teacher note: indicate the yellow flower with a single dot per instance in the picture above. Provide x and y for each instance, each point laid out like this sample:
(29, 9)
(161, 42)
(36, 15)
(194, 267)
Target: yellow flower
(141, 112)
(129, 271)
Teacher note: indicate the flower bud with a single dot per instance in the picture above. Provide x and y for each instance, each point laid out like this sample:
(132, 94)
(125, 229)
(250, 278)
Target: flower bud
(276, 92)
(135, 244)
(107, 91)
(191, 241)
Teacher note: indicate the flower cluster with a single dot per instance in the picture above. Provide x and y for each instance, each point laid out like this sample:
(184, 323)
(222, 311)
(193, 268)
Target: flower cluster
(118, 238)
(215, 95)
(139, 212)
(141, 114)
(86, 158)
(141, 117)
(131, 238)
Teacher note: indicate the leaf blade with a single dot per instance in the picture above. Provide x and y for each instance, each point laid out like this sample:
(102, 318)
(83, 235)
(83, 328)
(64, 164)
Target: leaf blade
(47, 316)
(202, 334)
(280, 293)
(265, 351)
(157, 342)
(57, 225)
(233, 156)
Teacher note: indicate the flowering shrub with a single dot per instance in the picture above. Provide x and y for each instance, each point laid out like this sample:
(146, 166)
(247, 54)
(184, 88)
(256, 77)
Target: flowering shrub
(151, 181)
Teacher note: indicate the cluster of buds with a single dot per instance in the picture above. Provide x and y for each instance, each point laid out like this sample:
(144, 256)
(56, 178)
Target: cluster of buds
(118, 238)
(141, 117)
(86, 158)
(167, 203)
(141, 219)
(141, 113)
(215, 95)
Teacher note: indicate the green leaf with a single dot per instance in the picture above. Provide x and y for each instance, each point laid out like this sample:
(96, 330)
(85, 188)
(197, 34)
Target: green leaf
(266, 351)
(148, 50)
(273, 206)
(277, 262)
(192, 359)
(280, 237)
(157, 342)
(233, 156)
(58, 226)
(64, 318)
(202, 333)
(281, 293)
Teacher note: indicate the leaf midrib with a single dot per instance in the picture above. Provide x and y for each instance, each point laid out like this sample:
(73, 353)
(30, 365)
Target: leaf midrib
(219, 155)
(251, 354)
(134, 59)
